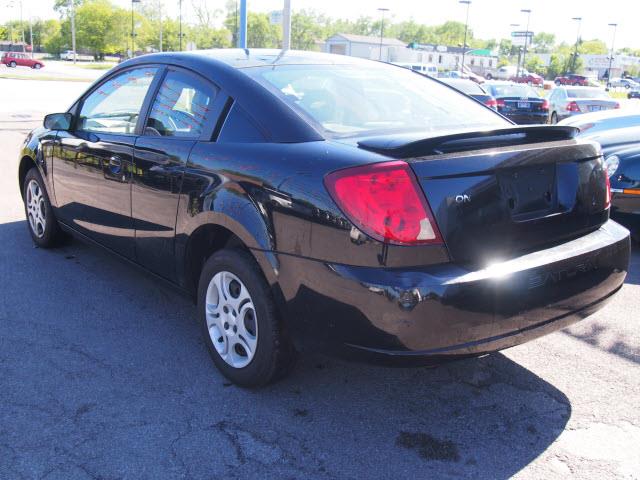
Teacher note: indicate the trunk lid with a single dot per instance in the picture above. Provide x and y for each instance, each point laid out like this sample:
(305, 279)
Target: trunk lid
(521, 105)
(595, 105)
(499, 194)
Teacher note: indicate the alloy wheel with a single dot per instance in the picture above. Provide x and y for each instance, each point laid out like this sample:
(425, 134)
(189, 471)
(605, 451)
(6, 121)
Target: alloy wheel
(231, 319)
(36, 209)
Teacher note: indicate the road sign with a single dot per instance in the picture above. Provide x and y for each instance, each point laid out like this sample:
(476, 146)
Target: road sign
(275, 17)
(522, 34)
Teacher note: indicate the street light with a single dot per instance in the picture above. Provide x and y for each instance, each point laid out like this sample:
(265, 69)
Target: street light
(466, 27)
(613, 41)
(133, 47)
(526, 39)
(383, 11)
(575, 53)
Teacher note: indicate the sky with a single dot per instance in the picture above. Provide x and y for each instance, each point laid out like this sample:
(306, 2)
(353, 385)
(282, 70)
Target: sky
(487, 18)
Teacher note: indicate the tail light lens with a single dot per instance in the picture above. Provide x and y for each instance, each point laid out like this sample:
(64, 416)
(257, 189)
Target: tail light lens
(491, 103)
(607, 200)
(573, 107)
(500, 103)
(545, 104)
(385, 201)
(617, 105)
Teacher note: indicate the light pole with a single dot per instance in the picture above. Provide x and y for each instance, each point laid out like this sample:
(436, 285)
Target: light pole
(613, 42)
(286, 25)
(73, 30)
(574, 63)
(180, 21)
(466, 28)
(383, 11)
(133, 33)
(526, 39)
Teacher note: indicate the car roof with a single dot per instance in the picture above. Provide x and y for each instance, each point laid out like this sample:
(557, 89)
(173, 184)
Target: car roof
(259, 57)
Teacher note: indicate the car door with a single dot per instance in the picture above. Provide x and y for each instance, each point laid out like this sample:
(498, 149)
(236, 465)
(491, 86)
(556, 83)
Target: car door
(184, 110)
(93, 163)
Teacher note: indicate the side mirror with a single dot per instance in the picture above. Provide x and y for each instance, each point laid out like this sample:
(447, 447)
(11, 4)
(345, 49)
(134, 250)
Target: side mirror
(58, 121)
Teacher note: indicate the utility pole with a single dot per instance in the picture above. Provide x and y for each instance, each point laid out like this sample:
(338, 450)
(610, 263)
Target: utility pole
(286, 25)
(613, 42)
(160, 17)
(526, 39)
(466, 27)
(31, 35)
(383, 11)
(242, 34)
(21, 24)
(574, 62)
(73, 30)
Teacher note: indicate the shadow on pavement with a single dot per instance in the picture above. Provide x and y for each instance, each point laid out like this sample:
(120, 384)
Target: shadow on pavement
(103, 374)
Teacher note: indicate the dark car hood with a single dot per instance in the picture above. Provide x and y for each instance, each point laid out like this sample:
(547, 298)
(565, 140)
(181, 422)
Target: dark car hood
(615, 139)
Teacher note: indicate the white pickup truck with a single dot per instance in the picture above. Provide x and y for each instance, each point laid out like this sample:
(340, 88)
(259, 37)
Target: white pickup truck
(68, 55)
(502, 73)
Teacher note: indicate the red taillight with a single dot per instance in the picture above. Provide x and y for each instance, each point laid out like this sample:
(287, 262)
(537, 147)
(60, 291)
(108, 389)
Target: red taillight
(491, 103)
(500, 103)
(385, 201)
(545, 104)
(573, 107)
(617, 105)
(607, 200)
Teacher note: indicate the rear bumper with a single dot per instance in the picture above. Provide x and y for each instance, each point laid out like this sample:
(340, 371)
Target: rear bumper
(427, 313)
(625, 209)
(528, 118)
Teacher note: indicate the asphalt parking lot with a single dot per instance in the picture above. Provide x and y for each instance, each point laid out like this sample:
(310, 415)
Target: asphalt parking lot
(103, 375)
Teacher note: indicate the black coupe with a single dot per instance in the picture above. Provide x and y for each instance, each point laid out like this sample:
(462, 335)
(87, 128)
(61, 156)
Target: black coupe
(319, 200)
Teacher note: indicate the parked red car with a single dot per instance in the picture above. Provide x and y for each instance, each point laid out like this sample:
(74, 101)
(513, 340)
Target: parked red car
(529, 78)
(572, 79)
(15, 59)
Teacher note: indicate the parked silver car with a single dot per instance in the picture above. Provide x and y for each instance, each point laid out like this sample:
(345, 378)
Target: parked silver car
(566, 102)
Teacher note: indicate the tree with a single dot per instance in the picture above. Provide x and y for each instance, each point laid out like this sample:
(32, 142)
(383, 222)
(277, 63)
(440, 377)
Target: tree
(543, 42)
(305, 30)
(593, 47)
(260, 32)
(534, 64)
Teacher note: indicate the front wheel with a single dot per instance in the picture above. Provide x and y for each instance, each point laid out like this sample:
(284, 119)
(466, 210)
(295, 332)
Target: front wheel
(37, 66)
(489, 76)
(554, 118)
(43, 226)
(242, 329)
(13, 64)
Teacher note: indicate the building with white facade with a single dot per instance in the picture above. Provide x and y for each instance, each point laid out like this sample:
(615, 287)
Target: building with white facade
(396, 51)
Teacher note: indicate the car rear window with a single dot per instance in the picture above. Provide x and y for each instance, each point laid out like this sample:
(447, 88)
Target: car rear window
(467, 86)
(586, 93)
(520, 91)
(346, 100)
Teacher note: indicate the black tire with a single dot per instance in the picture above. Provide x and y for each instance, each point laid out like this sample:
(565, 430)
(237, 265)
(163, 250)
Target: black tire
(558, 83)
(274, 353)
(13, 64)
(52, 234)
(489, 76)
(554, 118)
(37, 66)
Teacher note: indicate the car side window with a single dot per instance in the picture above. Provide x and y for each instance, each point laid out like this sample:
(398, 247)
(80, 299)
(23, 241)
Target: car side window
(114, 107)
(181, 107)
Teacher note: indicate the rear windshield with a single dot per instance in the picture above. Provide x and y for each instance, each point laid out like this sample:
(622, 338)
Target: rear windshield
(467, 86)
(586, 93)
(520, 91)
(362, 99)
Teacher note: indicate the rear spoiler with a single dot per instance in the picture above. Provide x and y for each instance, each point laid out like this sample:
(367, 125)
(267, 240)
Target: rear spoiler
(404, 146)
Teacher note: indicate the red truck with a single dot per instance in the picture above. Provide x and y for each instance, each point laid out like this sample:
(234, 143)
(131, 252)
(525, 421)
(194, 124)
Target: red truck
(572, 79)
